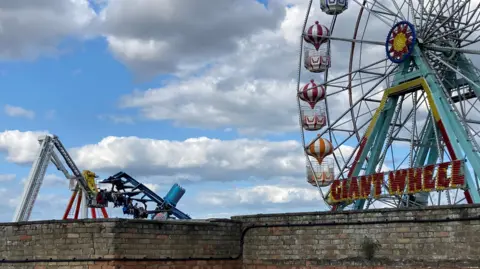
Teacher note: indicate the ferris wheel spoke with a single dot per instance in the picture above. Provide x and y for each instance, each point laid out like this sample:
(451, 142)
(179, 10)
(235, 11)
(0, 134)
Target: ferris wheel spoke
(475, 26)
(474, 12)
(462, 103)
(359, 100)
(341, 154)
(421, 10)
(463, 27)
(412, 11)
(448, 19)
(341, 84)
(399, 9)
(403, 122)
(330, 82)
(470, 14)
(348, 121)
(438, 14)
(387, 11)
(450, 49)
(358, 114)
(390, 135)
(427, 16)
(447, 65)
(466, 42)
(466, 96)
(347, 163)
(412, 137)
(351, 40)
(373, 13)
(374, 72)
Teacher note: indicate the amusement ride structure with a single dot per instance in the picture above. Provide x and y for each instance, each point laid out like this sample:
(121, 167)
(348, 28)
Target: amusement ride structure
(397, 125)
(124, 190)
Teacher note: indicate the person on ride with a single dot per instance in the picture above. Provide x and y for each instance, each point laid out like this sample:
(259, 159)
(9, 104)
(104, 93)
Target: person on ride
(99, 198)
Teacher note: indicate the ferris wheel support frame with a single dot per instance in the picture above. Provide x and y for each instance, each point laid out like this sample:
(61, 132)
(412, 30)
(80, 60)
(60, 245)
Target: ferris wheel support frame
(472, 77)
(446, 123)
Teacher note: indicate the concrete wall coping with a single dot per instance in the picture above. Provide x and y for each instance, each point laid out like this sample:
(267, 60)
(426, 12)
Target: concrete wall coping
(193, 222)
(363, 212)
(240, 218)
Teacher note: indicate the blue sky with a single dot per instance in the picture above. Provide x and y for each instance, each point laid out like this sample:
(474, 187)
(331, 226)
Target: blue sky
(78, 92)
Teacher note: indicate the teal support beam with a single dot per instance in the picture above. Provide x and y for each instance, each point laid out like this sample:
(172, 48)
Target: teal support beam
(383, 122)
(453, 128)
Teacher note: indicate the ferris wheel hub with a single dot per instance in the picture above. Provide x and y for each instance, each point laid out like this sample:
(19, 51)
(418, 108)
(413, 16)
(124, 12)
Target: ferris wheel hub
(449, 55)
(400, 41)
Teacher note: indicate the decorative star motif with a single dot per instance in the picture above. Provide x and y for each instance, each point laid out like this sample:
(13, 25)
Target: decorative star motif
(400, 40)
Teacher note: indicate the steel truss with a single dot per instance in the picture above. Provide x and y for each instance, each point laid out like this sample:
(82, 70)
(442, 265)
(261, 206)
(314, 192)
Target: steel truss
(86, 197)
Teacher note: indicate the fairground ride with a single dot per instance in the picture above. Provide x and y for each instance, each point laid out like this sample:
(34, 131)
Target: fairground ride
(124, 190)
(397, 125)
(84, 191)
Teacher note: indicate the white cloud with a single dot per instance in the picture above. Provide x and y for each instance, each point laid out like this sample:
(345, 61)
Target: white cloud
(7, 177)
(8, 206)
(250, 106)
(20, 147)
(235, 84)
(169, 36)
(117, 119)
(33, 27)
(153, 187)
(211, 158)
(262, 198)
(262, 194)
(54, 180)
(16, 111)
(50, 180)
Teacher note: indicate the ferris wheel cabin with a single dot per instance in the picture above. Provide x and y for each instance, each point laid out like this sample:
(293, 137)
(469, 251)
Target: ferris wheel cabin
(316, 61)
(333, 7)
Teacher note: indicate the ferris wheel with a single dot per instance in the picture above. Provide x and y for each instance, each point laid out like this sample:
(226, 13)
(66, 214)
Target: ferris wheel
(389, 102)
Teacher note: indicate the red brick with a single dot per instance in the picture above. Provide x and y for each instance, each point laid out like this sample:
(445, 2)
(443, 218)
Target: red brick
(25, 237)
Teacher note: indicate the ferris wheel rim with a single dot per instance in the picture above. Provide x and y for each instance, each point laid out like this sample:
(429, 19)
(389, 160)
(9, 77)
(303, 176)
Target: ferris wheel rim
(350, 67)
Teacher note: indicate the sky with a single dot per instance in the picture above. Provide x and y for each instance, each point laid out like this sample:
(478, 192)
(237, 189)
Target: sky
(167, 91)
(200, 93)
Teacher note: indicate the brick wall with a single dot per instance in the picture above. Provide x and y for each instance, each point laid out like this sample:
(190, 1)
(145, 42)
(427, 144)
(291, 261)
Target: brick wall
(388, 239)
(113, 239)
(383, 238)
